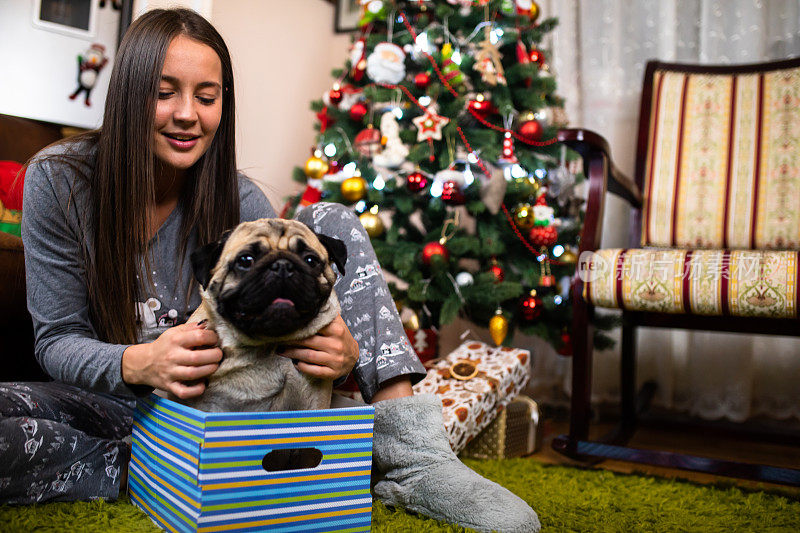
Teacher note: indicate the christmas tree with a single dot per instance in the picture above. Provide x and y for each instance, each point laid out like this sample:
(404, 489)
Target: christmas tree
(440, 132)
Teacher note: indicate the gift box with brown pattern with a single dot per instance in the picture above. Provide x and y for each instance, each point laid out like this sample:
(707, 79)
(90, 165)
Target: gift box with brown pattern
(475, 382)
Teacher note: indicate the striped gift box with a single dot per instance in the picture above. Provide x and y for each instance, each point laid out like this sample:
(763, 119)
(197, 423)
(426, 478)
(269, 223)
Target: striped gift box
(197, 471)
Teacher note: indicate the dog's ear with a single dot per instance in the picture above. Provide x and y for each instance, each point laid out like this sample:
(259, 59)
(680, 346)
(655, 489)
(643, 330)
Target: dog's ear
(204, 258)
(337, 251)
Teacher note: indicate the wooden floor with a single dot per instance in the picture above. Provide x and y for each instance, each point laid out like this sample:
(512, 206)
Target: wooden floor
(694, 444)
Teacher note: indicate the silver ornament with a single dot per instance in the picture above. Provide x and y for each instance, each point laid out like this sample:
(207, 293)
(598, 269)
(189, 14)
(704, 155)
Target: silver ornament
(559, 182)
(464, 279)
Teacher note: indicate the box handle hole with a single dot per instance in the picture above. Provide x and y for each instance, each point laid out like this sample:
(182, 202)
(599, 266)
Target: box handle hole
(291, 459)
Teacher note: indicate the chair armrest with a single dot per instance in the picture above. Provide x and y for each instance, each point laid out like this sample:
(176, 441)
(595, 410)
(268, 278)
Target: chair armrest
(603, 176)
(590, 144)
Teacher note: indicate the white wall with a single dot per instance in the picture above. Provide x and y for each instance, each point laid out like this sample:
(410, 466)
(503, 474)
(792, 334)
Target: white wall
(283, 52)
(41, 69)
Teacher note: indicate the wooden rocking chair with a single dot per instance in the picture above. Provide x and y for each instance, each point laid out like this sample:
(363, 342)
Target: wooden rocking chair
(715, 233)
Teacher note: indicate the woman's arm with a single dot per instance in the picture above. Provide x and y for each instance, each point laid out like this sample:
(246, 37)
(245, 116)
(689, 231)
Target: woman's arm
(54, 216)
(54, 230)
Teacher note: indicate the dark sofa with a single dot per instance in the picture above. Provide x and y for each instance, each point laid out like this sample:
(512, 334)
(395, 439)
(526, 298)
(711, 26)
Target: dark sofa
(20, 139)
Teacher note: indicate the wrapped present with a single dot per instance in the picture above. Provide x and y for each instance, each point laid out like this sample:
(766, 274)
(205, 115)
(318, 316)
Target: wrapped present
(475, 382)
(514, 433)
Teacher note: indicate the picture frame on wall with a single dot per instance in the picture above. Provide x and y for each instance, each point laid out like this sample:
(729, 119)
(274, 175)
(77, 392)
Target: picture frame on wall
(76, 18)
(347, 14)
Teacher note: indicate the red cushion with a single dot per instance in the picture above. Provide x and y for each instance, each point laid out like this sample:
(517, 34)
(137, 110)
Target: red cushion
(10, 185)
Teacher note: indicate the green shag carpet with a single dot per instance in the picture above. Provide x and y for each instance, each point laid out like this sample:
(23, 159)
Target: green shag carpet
(567, 499)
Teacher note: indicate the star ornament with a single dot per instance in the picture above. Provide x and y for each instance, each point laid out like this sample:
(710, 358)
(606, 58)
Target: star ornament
(429, 126)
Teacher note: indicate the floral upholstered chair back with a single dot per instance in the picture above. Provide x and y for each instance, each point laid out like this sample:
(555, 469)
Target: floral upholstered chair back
(723, 161)
(721, 213)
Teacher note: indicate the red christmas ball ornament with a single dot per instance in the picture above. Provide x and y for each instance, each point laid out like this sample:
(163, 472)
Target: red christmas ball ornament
(530, 130)
(358, 111)
(416, 181)
(452, 194)
(433, 249)
(481, 106)
(547, 281)
(543, 235)
(335, 95)
(497, 270)
(530, 307)
(422, 80)
(566, 344)
(536, 56)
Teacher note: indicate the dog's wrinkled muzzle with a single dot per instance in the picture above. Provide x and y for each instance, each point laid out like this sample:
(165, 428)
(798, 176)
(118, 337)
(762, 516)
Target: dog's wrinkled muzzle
(279, 296)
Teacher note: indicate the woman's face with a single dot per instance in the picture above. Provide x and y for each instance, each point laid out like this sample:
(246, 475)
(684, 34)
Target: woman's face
(189, 105)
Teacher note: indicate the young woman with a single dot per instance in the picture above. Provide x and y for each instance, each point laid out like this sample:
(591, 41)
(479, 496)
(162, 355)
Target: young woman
(109, 222)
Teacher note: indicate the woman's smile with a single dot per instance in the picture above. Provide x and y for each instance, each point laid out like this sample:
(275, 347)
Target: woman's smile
(182, 141)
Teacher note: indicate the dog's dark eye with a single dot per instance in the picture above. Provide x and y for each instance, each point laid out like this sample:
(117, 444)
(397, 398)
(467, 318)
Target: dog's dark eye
(312, 260)
(244, 262)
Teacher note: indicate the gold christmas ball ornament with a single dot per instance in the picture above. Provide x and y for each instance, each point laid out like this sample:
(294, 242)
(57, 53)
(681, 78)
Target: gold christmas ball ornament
(527, 186)
(412, 322)
(353, 189)
(498, 327)
(315, 167)
(526, 116)
(569, 256)
(523, 216)
(534, 11)
(372, 224)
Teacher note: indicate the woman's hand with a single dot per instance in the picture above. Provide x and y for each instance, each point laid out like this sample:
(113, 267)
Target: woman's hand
(330, 354)
(178, 361)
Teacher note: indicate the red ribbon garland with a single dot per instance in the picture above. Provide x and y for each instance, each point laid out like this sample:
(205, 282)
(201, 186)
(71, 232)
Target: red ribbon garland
(410, 29)
(516, 135)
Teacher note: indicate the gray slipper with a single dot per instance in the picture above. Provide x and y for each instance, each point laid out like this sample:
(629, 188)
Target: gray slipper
(418, 471)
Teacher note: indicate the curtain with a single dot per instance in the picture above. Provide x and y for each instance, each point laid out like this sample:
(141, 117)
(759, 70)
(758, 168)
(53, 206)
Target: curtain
(598, 54)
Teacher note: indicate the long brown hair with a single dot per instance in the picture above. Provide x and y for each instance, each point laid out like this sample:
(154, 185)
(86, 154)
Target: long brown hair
(123, 182)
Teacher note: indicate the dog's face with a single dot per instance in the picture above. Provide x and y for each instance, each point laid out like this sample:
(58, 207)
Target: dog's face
(269, 277)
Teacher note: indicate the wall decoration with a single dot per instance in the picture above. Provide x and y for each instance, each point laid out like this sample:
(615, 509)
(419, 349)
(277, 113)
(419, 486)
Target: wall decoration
(53, 33)
(71, 17)
(348, 13)
(90, 63)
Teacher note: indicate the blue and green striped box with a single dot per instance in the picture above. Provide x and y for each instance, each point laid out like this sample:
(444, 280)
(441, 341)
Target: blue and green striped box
(197, 471)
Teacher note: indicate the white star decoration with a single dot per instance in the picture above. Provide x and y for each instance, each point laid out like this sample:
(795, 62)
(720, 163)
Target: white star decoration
(430, 126)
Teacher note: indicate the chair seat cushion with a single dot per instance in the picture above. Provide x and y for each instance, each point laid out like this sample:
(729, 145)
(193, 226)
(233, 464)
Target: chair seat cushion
(703, 282)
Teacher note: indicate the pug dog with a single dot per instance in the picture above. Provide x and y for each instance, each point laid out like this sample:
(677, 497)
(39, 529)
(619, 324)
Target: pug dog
(263, 284)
